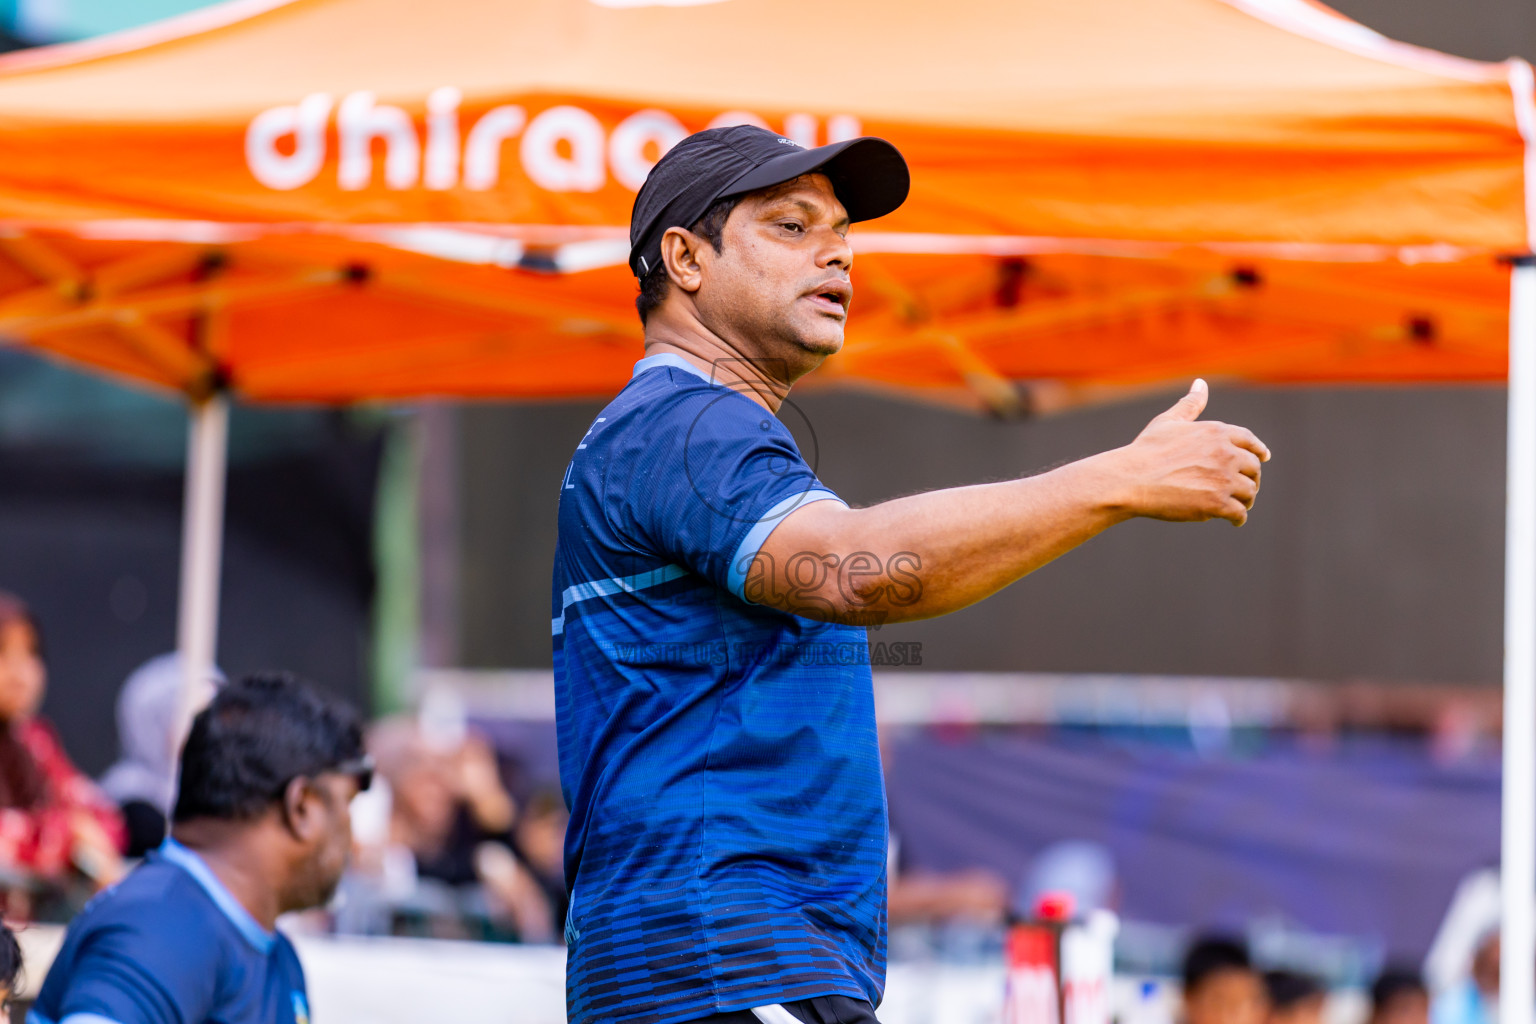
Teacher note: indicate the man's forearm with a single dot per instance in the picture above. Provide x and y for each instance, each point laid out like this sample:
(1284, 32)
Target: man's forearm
(933, 553)
(928, 554)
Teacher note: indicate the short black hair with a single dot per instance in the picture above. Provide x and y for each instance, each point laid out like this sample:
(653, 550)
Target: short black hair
(1290, 988)
(1212, 954)
(711, 226)
(254, 738)
(10, 960)
(1394, 981)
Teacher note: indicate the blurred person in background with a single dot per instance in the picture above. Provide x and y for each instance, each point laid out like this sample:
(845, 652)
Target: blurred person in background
(1475, 998)
(1220, 984)
(1399, 996)
(540, 843)
(1462, 968)
(261, 828)
(56, 827)
(451, 813)
(1076, 868)
(10, 969)
(972, 895)
(976, 896)
(1294, 998)
(143, 781)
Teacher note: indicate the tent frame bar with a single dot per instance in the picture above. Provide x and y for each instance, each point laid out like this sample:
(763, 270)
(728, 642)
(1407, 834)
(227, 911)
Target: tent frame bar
(201, 550)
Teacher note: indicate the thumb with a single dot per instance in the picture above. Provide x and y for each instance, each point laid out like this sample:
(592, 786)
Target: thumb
(1190, 406)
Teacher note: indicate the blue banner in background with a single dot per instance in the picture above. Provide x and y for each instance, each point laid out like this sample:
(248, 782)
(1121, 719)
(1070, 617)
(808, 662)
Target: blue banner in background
(1368, 837)
(1352, 844)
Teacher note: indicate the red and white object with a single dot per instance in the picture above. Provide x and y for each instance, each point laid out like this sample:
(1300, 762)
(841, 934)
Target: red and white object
(1060, 971)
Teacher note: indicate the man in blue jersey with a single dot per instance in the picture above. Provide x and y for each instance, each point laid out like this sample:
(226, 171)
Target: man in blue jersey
(726, 849)
(261, 827)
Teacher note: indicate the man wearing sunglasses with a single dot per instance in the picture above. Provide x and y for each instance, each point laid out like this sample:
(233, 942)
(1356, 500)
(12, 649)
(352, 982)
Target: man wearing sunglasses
(261, 827)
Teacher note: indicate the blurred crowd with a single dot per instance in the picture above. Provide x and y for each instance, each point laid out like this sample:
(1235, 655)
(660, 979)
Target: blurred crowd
(443, 847)
(1221, 985)
(453, 841)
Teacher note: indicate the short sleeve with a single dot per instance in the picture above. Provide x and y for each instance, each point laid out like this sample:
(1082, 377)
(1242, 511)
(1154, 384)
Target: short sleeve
(720, 474)
(121, 975)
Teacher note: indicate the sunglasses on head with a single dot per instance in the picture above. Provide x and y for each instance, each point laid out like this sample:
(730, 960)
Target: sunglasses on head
(359, 768)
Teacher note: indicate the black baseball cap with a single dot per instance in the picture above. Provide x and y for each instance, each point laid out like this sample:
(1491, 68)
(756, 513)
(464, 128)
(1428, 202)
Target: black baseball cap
(869, 176)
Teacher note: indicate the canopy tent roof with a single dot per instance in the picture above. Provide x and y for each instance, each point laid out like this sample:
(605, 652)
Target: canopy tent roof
(263, 195)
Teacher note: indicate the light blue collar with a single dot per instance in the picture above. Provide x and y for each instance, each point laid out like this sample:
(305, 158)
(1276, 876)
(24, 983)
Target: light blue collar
(241, 918)
(674, 360)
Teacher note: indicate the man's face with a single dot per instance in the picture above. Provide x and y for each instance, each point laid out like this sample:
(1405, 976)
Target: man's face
(1485, 965)
(22, 675)
(423, 799)
(779, 287)
(1408, 1007)
(1232, 996)
(328, 844)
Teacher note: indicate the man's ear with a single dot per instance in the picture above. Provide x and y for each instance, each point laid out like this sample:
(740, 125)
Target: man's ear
(297, 810)
(680, 249)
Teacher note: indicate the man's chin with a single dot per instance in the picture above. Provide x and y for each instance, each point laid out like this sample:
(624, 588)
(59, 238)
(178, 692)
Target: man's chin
(822, 345)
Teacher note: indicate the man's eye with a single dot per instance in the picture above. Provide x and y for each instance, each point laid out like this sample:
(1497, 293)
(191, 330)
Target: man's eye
(792, 225)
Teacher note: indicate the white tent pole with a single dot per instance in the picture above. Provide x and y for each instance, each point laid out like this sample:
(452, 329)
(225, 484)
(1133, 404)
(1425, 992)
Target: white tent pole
(1517, 981)
(202, 528)
(1517, 984)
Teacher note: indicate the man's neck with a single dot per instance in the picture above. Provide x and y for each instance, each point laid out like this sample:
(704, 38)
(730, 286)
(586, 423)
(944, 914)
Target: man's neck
(765, 380)
(228, 851)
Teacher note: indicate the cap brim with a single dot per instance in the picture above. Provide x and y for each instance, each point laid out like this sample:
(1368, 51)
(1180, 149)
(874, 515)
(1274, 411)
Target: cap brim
(869, 175)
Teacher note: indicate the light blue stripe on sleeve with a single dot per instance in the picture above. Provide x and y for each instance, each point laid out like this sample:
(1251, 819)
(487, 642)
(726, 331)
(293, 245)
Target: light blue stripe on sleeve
(33, 1017)
(757, 536)
(578, 592)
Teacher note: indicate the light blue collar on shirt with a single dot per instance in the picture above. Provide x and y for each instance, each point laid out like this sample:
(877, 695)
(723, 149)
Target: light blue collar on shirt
(241, 918)
(674, 360)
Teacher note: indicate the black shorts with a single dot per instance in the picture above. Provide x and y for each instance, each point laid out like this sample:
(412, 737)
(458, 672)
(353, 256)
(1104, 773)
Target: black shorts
(820, 1010)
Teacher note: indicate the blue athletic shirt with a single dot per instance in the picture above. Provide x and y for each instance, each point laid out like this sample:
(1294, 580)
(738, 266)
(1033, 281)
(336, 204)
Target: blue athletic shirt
(726, 847)
(170, 945)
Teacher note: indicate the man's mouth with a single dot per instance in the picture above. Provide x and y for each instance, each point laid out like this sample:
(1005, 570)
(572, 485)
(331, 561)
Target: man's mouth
(832, 297)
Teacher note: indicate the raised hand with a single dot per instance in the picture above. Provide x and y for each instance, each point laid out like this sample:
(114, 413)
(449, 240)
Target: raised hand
(1184, 469)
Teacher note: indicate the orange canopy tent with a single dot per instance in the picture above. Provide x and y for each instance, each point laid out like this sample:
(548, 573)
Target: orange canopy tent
(1105, 191)
(337, 200)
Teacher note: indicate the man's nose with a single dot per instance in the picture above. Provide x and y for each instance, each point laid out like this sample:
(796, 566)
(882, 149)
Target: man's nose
(835, 251)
